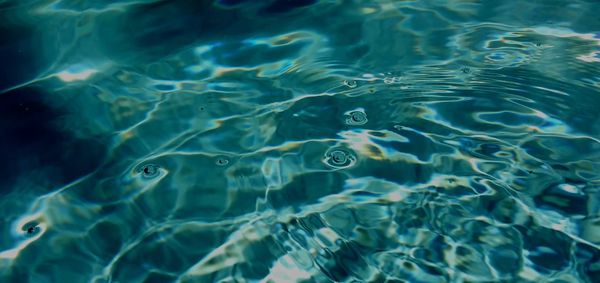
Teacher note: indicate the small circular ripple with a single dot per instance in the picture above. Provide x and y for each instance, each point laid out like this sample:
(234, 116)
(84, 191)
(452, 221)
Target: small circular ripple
(31, 228)
(221, 161)
(350, 83)
(340, 158)
(356, 117)
(148, 170)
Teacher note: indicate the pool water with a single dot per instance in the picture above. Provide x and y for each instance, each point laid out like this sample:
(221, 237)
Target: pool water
(299, 141)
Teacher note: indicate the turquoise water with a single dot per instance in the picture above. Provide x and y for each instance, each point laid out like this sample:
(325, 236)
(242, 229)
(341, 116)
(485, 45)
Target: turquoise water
(299, 141)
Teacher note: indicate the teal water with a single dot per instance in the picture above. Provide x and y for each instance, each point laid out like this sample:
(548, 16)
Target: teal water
(299, 141)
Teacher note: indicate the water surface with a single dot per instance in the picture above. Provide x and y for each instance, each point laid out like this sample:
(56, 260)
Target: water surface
(299, 141)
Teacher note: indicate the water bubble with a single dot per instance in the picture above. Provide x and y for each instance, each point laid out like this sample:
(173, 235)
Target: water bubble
(339, 158)
(149, 170)
(351, 83)
(356, 117)
(221, 161)
(31, 228)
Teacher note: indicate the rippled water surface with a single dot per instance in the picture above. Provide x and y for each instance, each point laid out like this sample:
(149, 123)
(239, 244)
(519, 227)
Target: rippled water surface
(299, 141)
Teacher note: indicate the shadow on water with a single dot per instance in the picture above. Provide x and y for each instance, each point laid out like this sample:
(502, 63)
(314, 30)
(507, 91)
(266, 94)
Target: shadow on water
(17, 46)
(33, 145)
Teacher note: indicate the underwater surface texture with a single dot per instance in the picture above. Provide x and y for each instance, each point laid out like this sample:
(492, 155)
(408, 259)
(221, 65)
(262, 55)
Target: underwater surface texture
(299, 141)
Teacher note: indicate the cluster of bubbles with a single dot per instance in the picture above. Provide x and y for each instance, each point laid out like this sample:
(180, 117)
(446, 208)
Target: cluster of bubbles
(337, 157)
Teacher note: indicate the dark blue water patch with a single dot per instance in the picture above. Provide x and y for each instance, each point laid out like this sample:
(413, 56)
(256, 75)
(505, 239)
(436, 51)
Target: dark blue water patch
(549, 249)
(506, 259)
(433, 254)
(306, 189)
(168, 24)
(231, 2)
(15, 273)
(588, 258)
(259, 257)
(284, 6)
(557, 199)
(270, 7)
(485, 149)
(328, 264)
(562, 149)
(33, 142)
(420, 145)
(152, 30)
(18, 50)
(152, 253)
(165, 87)
(156, 277)
(317, 117)
(105, 239)
(399, 172)
(499, 206)
(311, 223)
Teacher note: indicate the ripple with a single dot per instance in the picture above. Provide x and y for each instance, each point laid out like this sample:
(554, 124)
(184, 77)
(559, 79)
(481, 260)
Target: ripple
(356, 117)
(148, 171)
(221, 161)
(346, 141)
(350, 83)
(340, 158)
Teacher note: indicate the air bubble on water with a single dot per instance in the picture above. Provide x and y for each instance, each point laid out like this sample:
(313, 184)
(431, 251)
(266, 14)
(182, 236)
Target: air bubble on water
(350, 83)
(339, 158)
(31, 228)
(356, 117)
(149, 170)
(221, 161)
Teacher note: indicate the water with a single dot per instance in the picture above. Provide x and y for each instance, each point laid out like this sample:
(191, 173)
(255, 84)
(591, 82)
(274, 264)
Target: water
(299, 141)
